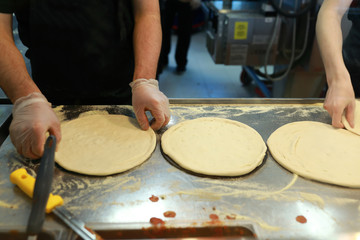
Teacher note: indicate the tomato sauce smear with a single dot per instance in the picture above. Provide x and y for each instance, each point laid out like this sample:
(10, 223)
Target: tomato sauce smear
(301, 219)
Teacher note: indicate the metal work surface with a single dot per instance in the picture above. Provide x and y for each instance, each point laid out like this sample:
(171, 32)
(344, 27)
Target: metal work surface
(268, 201)
(5, 112)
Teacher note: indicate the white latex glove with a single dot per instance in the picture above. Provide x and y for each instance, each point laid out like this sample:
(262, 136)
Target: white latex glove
(146, 96)
(33, 117)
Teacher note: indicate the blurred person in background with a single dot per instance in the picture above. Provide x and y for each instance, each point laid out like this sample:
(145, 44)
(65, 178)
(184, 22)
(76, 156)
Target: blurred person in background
(184, 11)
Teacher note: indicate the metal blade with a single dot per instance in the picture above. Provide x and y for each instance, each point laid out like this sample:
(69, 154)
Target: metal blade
(75, 224)
(42, 188)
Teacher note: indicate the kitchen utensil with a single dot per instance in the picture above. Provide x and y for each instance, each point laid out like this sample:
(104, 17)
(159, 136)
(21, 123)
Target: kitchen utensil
(42, 189)
(26, 183)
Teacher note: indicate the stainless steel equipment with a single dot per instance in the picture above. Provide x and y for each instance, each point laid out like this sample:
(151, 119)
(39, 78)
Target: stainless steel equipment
(5, 113)
(239, 32)
(270, 202)
(274, 39)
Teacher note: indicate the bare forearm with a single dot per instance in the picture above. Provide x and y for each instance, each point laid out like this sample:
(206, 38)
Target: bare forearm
(329, 36)
(147, 39)
(14, 78)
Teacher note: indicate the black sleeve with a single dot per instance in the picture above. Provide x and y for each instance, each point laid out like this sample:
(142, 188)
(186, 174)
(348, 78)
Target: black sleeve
(7, 6)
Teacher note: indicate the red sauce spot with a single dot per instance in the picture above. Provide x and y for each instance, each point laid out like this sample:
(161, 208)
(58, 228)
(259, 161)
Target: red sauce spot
(156, 221)
(154, 198)
(231, 217)
(169, 214)
(301, 219)
(214, 220)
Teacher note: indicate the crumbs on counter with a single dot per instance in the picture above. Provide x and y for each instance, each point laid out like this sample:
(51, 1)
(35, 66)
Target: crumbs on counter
(8, 205)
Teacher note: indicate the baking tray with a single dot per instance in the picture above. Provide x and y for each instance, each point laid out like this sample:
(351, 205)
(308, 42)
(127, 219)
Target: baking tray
(271, 201)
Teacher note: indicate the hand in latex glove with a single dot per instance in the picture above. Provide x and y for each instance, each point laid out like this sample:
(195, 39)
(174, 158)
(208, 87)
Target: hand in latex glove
(33, 117)
(146, 96)
(340, 99)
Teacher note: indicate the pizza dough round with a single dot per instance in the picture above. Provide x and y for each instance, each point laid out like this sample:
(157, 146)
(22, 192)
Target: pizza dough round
(103, 144)
(214, 146)
(318, 151)
(356, 129)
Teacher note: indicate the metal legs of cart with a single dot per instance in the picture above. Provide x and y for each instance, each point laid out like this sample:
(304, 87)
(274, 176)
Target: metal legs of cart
(248, 74)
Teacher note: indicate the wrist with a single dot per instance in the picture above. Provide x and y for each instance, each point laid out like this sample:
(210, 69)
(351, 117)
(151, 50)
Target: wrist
(143, 81)
(29, 99)
(338, 77)
(23, 87)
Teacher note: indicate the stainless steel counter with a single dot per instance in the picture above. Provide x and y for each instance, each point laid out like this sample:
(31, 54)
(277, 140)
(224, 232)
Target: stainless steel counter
(5, 112)
(266, 201)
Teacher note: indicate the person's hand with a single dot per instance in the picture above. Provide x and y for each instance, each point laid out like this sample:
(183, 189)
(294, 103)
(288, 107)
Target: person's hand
(146, 96)
(340, 99)
(33, 117)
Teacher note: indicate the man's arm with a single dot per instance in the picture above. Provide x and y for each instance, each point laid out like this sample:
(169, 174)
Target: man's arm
(146, 95)
(33, 116)
(340, 95)
(14, 78)
(147, 38)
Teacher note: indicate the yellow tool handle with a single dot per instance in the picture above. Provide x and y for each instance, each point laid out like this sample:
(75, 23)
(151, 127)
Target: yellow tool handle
(26, 183)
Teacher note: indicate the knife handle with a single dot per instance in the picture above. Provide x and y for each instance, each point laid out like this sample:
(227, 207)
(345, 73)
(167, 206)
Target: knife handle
(26, 183)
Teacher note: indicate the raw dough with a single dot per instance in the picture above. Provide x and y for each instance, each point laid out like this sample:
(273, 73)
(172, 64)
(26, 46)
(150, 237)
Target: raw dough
(318, 151)
(214, 146)
(356, 129)
(103, 144)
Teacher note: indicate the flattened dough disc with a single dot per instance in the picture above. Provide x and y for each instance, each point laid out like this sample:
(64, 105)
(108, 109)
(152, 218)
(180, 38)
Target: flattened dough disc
(356, 129)
(214, 146)
(318, 151)
(103, 144)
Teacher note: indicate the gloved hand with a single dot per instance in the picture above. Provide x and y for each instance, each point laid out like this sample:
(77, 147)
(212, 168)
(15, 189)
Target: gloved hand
(146, 96)
(33, 117)
(340, 98)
